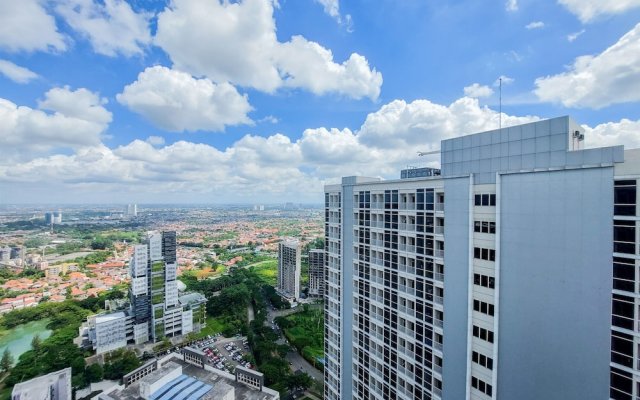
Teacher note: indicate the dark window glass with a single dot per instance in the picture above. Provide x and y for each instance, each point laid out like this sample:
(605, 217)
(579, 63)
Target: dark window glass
(478, 200)
(492, 200)
(485, 199)
(621, 384)
(624, 233)
(625, 195)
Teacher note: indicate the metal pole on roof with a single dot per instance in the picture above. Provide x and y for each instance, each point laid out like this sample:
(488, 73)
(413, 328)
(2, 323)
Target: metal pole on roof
(500, 109)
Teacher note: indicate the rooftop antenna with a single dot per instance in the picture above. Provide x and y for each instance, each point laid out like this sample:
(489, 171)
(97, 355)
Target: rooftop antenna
(500, 106)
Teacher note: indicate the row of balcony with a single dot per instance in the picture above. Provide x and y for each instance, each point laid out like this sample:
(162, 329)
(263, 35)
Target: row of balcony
(404, 206)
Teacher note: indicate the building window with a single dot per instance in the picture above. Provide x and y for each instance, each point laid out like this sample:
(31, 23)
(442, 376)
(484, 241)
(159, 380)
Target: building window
(621, 384)
(482, 360)
(483, 334)
(624, 274)
(625, 197)
(624, 236)
(484, 280)
(484, 254)
(481, 386)
(485, 200)
(622, 311)
(482, 307)
(622, 349)
(484, 227)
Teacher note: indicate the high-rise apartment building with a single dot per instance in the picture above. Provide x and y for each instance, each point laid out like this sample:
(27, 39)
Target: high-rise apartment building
(316, 272)
(156, 310)
(132, 210)
(289, 269)
(492, 278)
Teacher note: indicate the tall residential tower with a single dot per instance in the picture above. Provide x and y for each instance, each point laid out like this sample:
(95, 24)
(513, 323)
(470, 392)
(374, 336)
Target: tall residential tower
(316, 272)
(289, 269)
(156, 310)
(490, 278)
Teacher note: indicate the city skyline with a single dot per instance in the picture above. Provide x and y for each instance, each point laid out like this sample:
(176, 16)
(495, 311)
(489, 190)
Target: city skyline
(101, 101)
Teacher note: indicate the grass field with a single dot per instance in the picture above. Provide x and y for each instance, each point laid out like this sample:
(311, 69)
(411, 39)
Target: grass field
(214, 325)
(267, 271)
(208, 272)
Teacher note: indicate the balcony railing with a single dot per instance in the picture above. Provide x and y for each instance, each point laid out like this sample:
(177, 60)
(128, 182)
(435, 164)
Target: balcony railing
(407, 227)
(438, 253)
(439, 323)
(438, 300)
(407, 206)
(439, 206)
(407, 247)
(439, 230)
(438, 277)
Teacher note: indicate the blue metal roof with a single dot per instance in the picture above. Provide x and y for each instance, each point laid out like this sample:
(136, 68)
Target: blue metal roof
(181, 388)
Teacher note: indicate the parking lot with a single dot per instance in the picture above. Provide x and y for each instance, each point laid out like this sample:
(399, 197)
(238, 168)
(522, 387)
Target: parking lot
(225, 353)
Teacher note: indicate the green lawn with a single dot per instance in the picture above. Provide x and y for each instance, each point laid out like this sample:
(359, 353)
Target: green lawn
(267, 271)
(214, 325)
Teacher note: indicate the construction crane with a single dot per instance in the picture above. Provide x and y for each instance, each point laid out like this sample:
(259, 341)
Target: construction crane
(426, 153)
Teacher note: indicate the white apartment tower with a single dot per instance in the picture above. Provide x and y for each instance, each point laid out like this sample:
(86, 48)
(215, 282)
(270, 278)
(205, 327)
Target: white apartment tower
(289, 269)
(495, 277)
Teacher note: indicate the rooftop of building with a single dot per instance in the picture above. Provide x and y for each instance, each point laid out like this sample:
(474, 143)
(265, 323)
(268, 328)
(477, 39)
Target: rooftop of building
(110, 317)
(549, 144)
(216, 380)
(38, 388)
(190, 298)
(290, 242)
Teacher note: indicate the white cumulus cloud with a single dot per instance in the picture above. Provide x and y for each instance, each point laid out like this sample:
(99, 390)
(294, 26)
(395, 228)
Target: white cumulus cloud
(26, 26)
(274, 167)
(16, 73)
(311, 66)
(625, 132)
(112, 26)
(610, 77)
(175, 101)
(511, 5)
(476, 90)
(76, 119)
(242, 48)
(588, 10)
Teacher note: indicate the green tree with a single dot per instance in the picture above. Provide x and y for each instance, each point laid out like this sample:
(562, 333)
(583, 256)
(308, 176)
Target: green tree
(6, 361)
(302, 380)
(94, 373)
(36, 343)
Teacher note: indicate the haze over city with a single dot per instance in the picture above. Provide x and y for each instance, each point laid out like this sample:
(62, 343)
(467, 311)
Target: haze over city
(210, 101)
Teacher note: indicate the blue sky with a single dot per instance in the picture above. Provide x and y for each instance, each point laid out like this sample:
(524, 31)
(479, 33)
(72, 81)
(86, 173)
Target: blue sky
(264, 101)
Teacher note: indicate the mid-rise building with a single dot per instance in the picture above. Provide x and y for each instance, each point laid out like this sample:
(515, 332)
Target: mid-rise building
(316, 272)
(494, 277)
(289, 269)
(53, 386)
(188, 376)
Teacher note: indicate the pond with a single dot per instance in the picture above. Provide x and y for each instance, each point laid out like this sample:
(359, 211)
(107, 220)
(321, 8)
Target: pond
(18, 339)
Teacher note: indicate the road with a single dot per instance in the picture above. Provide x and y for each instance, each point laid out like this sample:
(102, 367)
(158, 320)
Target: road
(296, 360)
